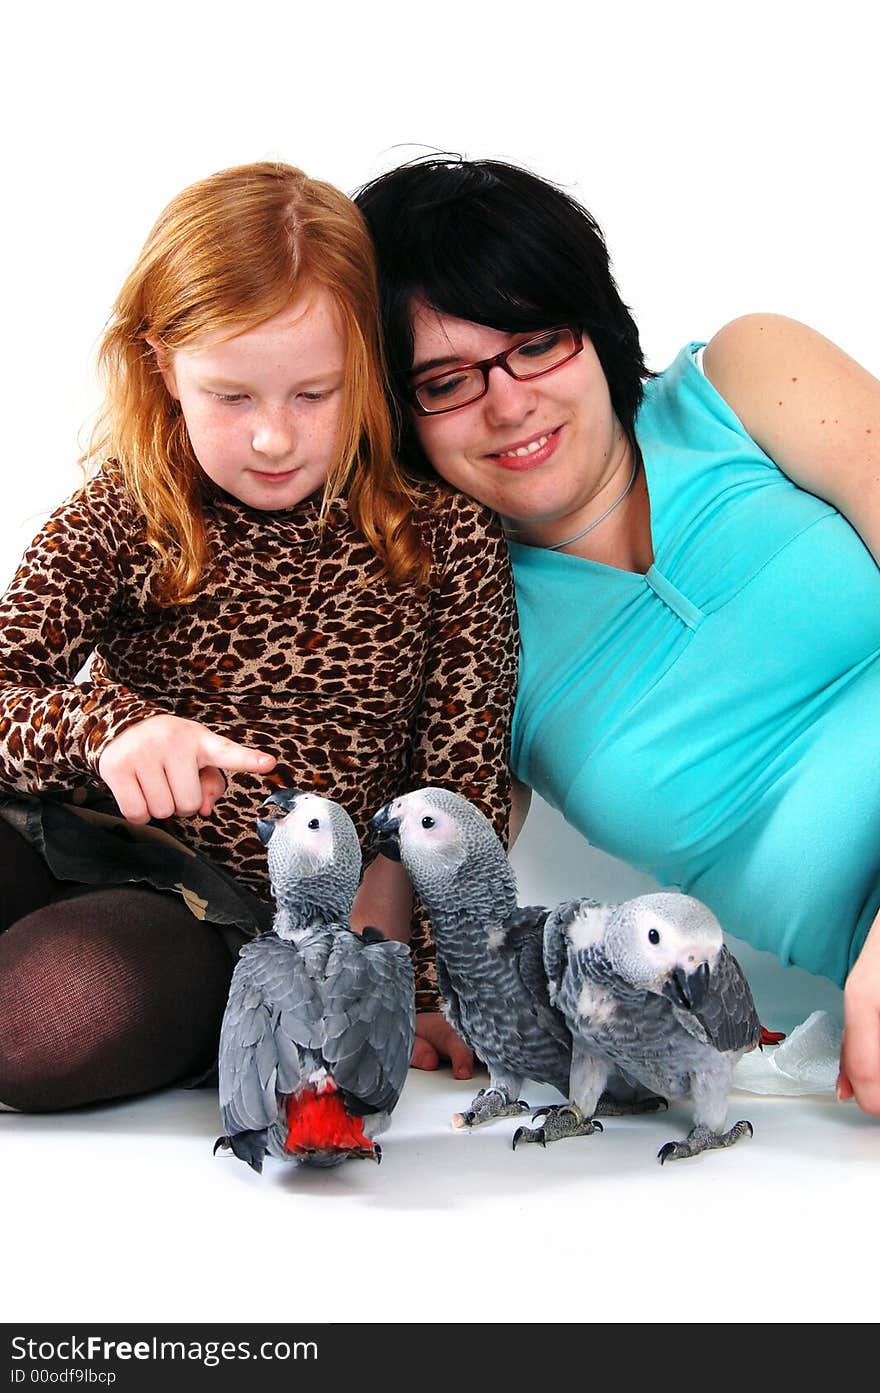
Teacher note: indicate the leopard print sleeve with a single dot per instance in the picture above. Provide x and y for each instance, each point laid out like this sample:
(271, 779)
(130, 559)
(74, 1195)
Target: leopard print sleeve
(59, 604)
(463, 725)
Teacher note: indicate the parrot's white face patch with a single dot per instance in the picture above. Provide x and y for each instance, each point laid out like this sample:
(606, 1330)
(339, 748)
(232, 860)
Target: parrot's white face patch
(427, 831)
(309, 826)
(308, 830)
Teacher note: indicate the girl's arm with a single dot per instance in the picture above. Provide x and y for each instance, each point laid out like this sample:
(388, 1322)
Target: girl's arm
(59, 606)
(56, 733)
(462, 730)
(816, 413)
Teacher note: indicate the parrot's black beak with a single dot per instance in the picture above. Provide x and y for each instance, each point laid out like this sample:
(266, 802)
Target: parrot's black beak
(385, 829)
(275, 809)
(688, 990)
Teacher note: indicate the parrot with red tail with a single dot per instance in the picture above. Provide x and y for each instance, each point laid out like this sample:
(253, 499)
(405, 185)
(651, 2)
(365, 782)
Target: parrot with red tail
(319, 1026)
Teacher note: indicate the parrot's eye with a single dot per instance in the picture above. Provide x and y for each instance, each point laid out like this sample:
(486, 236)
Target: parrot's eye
(428, 821)
(653, 936)
(314, 824)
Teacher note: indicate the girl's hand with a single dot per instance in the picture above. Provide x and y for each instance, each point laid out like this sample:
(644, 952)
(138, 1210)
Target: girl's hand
(859, 1076)
(436, 1040)
(165, 766)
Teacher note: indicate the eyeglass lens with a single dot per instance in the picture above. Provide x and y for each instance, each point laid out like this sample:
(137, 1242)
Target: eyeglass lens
(530, 359)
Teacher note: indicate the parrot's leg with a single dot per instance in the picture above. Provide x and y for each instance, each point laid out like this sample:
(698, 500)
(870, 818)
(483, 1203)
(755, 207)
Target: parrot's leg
(575, 1118)
(561, 1120)
(247, 1146)
(624, 1096)
(491, 1103)
(609, 1106)
(702, 1139)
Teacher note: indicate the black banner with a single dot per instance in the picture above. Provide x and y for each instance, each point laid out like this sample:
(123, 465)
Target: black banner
(98, 1356)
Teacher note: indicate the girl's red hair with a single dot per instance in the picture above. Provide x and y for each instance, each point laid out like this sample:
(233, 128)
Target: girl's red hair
(227, 254)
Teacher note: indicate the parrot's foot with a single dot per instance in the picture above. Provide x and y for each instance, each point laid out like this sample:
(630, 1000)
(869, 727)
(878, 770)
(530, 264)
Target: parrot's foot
(488, 1106)
(608, 1106)
(701, 1139)
(560, 1120)
(247, 1146)
(324, 1157)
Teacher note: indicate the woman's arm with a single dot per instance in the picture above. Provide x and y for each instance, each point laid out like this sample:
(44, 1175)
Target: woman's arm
(384, 900)
(860, 1051)
(810, 407)
(521, 801)
(816, 413)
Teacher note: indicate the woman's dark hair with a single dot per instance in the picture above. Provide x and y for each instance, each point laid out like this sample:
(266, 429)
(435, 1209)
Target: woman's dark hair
(494, 244)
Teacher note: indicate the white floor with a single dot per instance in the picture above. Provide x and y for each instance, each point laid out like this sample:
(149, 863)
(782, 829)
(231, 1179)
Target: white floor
(122, 1212)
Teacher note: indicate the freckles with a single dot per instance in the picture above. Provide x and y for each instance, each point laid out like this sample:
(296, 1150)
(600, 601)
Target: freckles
(219, 442)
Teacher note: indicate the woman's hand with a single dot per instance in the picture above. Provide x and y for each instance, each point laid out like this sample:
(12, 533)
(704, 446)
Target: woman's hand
(165, 766)
(859, 1076)
(384, 900)
(436, 1040)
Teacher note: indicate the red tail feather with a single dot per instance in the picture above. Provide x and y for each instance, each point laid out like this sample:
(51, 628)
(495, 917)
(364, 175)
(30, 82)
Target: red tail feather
(319, 1122)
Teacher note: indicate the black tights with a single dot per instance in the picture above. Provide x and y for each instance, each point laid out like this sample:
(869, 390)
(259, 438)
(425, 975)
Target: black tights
(104, 992)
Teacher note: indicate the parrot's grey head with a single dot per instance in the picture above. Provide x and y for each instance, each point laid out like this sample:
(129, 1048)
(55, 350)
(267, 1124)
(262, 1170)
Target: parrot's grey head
(664, 943)
(314, 854)
(441, 839)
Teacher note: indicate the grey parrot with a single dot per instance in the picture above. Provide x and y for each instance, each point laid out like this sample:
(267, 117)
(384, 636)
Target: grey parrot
(648, 986)
(489, 954)
(319, 1026)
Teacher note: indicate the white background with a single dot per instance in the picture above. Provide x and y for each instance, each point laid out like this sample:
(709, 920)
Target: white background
(730, 153)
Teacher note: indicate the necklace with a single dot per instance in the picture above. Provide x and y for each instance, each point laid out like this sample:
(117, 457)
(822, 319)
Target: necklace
(557, 546)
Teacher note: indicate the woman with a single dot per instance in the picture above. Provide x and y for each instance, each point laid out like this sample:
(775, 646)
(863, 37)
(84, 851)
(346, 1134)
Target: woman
(267, 603)
(695, 556)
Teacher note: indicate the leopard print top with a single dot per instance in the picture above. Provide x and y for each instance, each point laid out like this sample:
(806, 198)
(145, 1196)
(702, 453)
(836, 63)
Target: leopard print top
(298, 645)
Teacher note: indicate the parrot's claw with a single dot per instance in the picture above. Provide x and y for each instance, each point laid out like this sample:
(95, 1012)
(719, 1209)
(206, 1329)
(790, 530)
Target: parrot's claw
(247, 1146)
(529, 1134)
(701, 1139)
(377, 1153)
(488, 1106)
(561, 1120)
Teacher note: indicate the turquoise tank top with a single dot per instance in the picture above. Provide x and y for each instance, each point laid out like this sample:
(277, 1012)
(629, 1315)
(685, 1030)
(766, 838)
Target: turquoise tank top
(716, 722)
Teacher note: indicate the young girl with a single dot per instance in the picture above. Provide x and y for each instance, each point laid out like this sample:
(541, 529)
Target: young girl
(266, 601)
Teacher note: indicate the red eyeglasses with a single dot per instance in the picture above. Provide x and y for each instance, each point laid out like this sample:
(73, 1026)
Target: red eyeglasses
(465, 384)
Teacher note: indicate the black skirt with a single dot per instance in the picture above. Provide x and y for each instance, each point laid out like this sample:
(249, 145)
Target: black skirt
(88, 843)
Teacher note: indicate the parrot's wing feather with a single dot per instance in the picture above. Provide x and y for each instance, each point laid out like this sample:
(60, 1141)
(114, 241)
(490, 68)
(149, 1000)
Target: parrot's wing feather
(273, 1012)
(449, 996)
(524, 936)
(369, 1024)
(728, 1014)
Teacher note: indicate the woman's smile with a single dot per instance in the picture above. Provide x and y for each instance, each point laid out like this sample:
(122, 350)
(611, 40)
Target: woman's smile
(528, 454)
